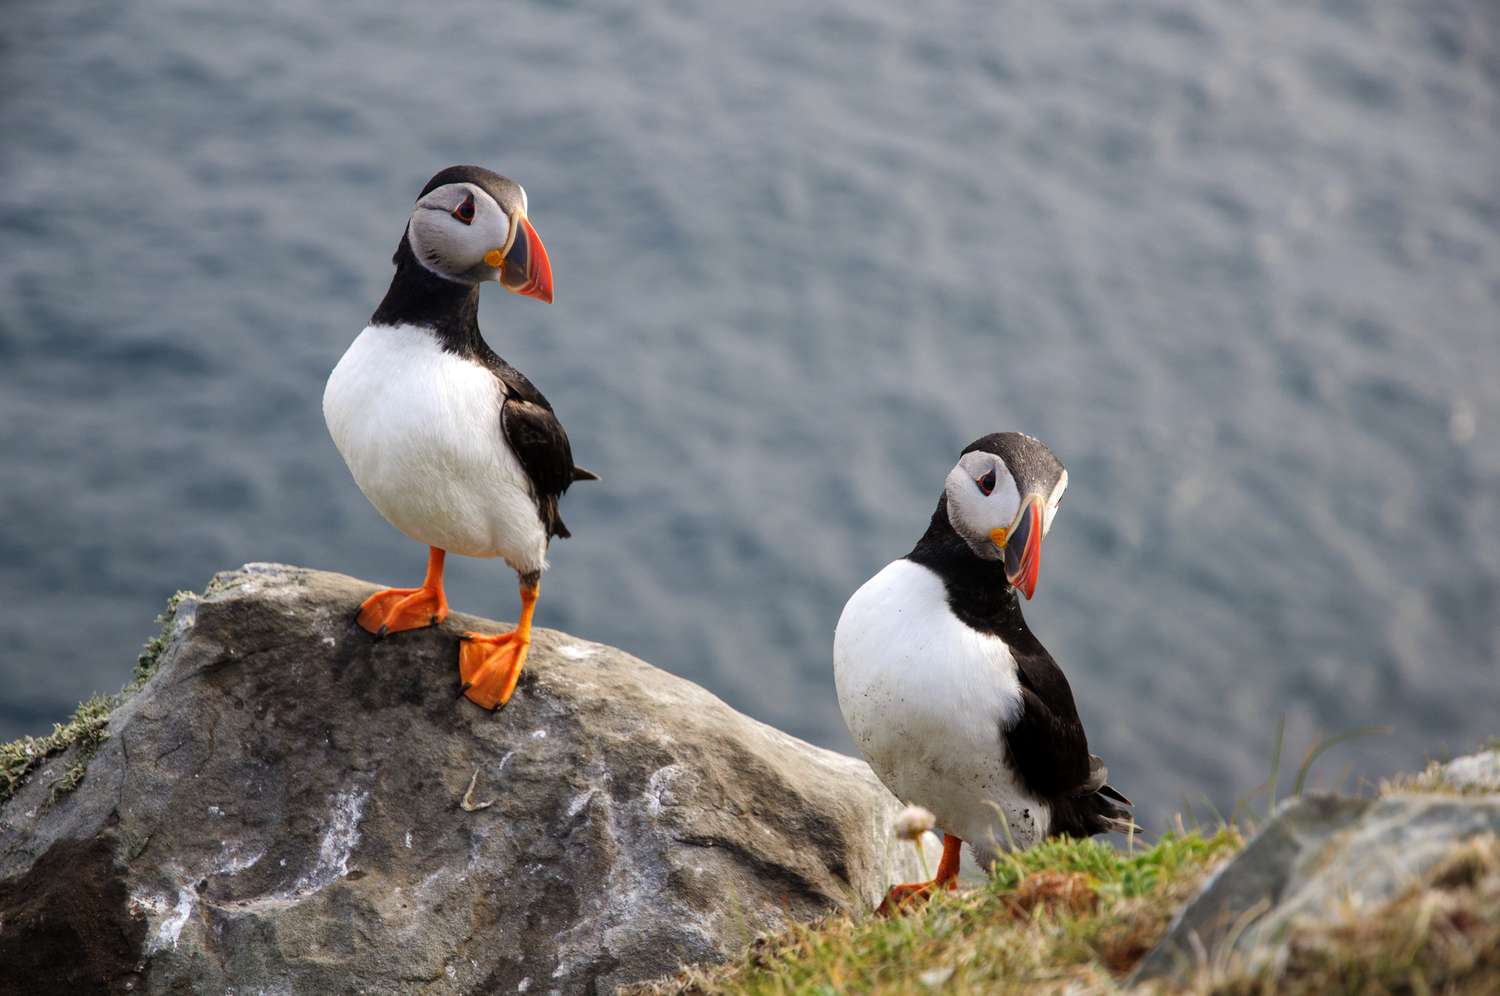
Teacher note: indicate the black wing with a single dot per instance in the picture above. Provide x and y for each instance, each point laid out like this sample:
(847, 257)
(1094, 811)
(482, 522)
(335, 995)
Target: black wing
(1050, 752)
(1047, 745)
(539, 442)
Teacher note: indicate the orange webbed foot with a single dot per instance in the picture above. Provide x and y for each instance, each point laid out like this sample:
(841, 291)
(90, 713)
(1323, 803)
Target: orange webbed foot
(490, 666)
(910, 896)
(397, 609)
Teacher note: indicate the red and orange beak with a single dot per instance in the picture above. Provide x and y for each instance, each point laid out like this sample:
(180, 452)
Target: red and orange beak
(1022, 544)
(524, 269)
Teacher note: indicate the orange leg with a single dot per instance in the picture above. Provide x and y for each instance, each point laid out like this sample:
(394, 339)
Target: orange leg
(490, 666)
(397, 609)
(910, 895)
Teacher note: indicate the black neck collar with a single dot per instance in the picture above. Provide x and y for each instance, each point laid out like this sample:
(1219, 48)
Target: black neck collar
(978, 592)
(419, 297)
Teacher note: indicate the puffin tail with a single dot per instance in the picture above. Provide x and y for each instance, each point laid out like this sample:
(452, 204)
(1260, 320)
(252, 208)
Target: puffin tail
(1097, 807)
(1104, 811)
(1112, 814)
(550, 514)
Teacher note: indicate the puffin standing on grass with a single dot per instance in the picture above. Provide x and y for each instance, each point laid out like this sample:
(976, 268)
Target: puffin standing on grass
(453, 445)
(955, 704)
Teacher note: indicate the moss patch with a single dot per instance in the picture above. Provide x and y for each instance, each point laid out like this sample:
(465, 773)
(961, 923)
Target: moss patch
(88, 727)
(1071, 915)
(150, 656)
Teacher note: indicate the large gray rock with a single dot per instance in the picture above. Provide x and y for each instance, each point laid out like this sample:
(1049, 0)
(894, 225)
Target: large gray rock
(1321, 858)
(282, 808)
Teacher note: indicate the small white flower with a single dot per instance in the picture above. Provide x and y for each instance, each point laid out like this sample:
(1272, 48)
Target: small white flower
(912, 822)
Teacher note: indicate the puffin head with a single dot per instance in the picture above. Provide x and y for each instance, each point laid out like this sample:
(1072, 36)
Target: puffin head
(469, 225)
(1001, 497)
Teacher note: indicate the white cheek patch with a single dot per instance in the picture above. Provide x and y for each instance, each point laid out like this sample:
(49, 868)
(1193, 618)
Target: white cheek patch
(972, 513)
(436, 247)
(449, 248)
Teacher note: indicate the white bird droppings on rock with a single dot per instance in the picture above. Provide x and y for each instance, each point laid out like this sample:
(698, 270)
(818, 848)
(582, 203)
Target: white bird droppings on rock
(170, 929)
(339, 840)
(235, 859)
(657, 787)
(579, 802)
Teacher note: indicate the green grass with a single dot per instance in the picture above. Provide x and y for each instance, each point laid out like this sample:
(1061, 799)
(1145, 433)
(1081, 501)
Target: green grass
(1076, 916)
(86, 729)
(1065, 915)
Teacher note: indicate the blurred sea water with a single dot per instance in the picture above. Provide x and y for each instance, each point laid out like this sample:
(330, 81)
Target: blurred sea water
(1238, 264)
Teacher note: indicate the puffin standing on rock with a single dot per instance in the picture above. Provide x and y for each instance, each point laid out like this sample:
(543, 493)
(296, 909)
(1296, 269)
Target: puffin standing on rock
(955, 704)
(453, 445)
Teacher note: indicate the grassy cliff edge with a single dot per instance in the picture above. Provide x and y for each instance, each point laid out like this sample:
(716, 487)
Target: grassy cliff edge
(1075, 916)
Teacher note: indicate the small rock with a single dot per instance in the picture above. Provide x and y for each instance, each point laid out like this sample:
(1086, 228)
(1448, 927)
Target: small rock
(1474, 771)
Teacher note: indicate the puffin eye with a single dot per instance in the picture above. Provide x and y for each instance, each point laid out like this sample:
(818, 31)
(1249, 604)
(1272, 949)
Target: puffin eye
(465, 211)
(987, 482)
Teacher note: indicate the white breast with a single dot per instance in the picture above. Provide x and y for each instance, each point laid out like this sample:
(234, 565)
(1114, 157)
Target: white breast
(926, 698)
(420, 430)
